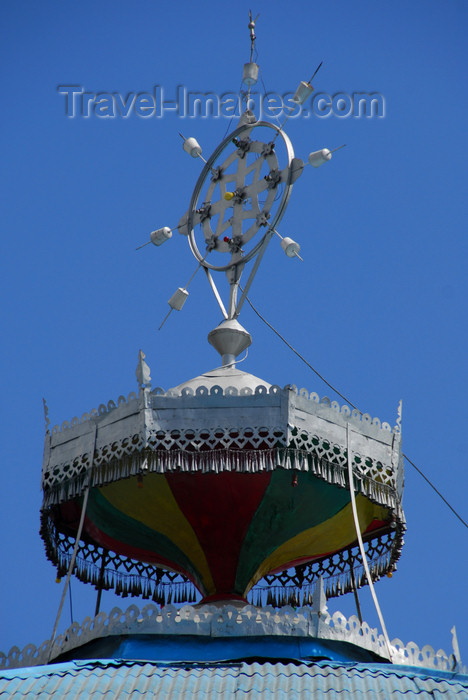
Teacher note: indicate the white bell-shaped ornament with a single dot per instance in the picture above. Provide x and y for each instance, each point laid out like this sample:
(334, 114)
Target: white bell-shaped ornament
(192, 147)
(161, 235)
(318, 158)
(178, 299)
(290, 247)
(303, 91)
(250, 74)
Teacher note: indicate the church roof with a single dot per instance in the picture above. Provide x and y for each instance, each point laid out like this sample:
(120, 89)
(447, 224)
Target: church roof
(103, 678)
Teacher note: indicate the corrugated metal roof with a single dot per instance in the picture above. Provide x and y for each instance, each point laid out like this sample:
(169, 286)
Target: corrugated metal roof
(78, 679)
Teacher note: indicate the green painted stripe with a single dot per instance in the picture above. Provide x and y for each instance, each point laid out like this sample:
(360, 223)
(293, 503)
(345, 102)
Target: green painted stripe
(286, 511)
(333, 535)
(125, 529)
(155, 507)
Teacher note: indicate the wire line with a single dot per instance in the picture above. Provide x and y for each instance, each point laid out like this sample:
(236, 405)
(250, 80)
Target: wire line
(301, 357)
(436, 490)
(71, 602)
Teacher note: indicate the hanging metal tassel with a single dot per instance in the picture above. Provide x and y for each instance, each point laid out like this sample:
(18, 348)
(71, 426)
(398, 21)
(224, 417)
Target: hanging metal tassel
(124, 589)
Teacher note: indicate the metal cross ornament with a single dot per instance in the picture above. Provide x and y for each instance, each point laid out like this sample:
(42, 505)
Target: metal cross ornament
(237, 204)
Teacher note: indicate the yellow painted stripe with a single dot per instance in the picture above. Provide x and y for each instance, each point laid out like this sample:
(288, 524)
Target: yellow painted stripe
(155, 506)
(334, 534)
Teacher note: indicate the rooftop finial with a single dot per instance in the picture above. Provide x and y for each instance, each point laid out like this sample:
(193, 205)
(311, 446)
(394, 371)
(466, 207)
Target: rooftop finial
(143, 371)
(236, 207)
(46, 415)
(252, 33)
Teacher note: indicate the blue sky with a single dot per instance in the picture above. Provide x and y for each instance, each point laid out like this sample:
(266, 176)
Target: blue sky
(378, 306)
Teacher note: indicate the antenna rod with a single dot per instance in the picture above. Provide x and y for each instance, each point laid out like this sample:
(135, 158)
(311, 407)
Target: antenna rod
(165, 318)
(316, 71)
(143, 245)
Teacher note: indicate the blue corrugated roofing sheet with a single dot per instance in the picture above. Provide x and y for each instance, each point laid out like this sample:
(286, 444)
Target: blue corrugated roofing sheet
(106, 679)
(80, 679)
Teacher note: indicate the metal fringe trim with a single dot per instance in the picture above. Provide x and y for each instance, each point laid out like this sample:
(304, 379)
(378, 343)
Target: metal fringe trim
(293, 587)
(279, 595)
(245, 461)
(134, 585)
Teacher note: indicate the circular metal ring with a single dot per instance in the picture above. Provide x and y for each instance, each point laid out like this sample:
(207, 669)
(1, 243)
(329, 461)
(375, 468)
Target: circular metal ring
(207, 171)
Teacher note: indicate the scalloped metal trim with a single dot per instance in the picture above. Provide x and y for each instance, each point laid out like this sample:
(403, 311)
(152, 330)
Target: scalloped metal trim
(229, 621)
(356, 416)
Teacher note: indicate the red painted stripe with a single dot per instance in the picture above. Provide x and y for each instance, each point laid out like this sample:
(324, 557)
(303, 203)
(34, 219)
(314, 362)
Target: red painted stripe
(376, 525)
(71, 512)
(220, 507)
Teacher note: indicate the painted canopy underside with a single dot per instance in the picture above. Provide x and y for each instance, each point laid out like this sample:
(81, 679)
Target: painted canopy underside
(224, 531)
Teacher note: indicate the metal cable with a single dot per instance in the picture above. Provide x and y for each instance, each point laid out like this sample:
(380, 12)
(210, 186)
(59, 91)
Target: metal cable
(71, 602)
(361, 543)
(70, 570)
(301, 357)
(436, 490)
